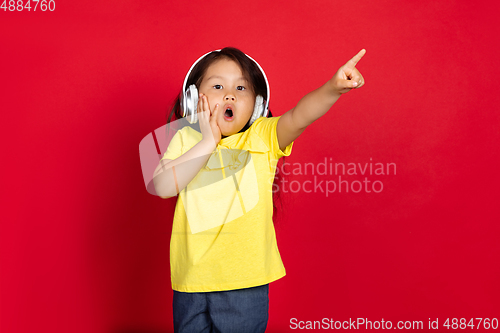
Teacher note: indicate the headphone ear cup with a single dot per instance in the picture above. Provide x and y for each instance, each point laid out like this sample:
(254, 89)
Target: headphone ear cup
(258, 109)
(189, 104)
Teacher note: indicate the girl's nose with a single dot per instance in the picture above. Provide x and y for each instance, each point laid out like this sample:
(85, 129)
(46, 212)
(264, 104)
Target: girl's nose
(229, 96)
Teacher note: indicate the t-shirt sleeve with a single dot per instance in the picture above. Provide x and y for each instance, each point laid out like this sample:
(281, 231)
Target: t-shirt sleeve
(174, 149)
(266, 129)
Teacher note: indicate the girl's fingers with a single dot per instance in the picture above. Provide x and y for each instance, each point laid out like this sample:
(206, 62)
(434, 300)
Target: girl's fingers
(349, 84)
(201, 114)
(353, 80)
(352, 62)
(206, 106)
(356, 81)
(356, 78)
(213, 116)
(200, 100)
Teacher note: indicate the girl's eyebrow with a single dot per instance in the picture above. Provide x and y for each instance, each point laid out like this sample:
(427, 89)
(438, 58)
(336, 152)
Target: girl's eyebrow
(220, 77)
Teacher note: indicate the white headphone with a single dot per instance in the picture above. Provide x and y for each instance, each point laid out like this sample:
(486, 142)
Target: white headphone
(189, 97)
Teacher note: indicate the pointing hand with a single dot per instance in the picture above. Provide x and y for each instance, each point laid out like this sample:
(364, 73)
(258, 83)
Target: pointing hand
(348, 77)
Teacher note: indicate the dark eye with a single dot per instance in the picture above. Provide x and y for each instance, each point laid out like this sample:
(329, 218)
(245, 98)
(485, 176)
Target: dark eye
(242, 88)
(217, 86)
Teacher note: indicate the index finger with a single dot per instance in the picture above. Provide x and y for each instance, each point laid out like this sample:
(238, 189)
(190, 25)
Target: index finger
(352, 63)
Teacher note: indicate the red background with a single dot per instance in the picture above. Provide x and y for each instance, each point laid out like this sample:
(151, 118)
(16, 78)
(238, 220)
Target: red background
(85, 248)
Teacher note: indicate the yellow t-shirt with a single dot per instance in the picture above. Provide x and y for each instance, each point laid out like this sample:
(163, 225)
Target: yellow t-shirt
(223, 236)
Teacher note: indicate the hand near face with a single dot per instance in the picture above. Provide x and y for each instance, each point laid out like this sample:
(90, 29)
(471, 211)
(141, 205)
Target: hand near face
(208, 120)
(348, 77)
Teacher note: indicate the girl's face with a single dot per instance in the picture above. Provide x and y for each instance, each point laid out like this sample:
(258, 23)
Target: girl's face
(224, 83)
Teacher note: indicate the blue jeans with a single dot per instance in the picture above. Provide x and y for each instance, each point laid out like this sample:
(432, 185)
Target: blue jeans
(231, 311)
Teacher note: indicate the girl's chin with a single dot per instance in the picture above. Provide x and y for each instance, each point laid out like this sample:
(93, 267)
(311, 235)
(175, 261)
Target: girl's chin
(229, 131)
(225, 135)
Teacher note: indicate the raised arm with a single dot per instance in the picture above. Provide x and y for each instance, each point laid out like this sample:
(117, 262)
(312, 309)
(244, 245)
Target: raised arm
(316, 103)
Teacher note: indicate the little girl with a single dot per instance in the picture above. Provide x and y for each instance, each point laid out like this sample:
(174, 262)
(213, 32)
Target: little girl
(223, 250)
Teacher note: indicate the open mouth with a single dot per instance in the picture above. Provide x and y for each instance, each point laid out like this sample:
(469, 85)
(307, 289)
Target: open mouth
(228, 114)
